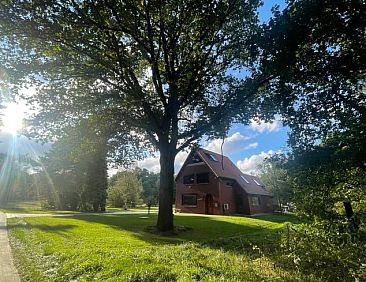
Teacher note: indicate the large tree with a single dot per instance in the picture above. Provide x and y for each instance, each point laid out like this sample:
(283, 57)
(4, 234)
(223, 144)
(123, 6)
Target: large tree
(167, 69)
(276, 179)
(317, 49)
(77, 169)
(150, 184)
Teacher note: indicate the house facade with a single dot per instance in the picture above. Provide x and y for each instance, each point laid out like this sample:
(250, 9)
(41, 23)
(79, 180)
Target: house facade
(209, 183)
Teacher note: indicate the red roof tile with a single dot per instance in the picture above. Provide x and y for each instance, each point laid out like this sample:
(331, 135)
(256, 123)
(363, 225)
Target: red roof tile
(223, 167)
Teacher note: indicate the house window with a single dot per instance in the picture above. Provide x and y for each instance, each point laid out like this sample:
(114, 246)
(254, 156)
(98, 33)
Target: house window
(189, 200)
(243, 177)
(202, 178)
(229, 183)
(188, 179)
(226, 207)
(211, 157)
(256, 201)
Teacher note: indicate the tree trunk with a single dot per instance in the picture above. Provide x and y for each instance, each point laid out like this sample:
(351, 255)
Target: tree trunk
(354, 221)
(165, 216)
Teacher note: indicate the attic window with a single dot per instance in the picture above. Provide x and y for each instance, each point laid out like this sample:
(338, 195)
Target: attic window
(196, 159)
(211, 157)
(256, 182)
(243, 177)
(203, 178)
(188, 179)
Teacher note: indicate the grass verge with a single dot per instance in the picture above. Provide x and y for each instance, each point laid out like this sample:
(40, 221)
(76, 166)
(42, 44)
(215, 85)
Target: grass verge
(116, 248)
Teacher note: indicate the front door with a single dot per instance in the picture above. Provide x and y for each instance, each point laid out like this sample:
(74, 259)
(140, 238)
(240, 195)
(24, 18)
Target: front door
(209, 204)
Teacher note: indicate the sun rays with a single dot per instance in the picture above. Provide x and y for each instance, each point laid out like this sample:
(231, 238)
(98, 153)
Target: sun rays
(12, 117)
(21, 167)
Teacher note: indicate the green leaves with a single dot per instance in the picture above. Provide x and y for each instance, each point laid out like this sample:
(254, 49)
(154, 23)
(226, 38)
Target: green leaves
(125, 190)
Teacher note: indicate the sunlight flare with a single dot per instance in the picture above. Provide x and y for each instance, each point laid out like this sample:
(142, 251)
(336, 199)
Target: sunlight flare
(12, 117)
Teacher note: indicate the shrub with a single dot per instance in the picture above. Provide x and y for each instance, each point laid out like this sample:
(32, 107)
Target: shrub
(330, 250)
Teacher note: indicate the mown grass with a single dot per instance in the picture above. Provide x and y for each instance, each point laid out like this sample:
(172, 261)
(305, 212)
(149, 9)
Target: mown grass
(27, 207)
(118, 248)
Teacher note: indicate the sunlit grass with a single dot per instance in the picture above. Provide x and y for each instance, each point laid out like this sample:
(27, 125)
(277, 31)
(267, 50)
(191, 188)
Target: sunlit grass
(26, 207)
(136, 209)
(118, 248)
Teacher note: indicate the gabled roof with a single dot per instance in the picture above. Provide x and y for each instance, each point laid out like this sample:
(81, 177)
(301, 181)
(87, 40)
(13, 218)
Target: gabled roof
(223, 167)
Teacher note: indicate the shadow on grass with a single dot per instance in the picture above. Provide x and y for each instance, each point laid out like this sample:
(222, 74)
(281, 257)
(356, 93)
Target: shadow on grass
(199, 229)
(58, 228)
(279, 218)
(252, 237)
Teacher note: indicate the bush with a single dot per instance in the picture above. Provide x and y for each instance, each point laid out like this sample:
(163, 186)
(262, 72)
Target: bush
(125, 190)
(330, 250)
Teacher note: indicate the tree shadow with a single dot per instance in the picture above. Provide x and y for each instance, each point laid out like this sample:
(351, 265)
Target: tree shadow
(252, 237)
(200, 229)
(58, 228)
(279, 218)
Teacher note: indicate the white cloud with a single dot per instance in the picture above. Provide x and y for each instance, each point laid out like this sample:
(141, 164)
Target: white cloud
(180, 159)
(261, 126)
(152, 163)
(251, 146)
(231, 144)
(250, 165)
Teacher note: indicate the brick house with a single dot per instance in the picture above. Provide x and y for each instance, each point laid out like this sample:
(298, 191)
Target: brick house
(209, 183)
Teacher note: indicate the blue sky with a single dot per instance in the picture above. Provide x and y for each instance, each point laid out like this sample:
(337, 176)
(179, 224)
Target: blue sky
(246, 146)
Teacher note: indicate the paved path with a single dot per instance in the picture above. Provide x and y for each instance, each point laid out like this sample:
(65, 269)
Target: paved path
(8, 272)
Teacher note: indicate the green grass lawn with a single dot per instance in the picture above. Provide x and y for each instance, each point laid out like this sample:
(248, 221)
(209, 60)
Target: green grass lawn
(29, 207)
(117, 248)
(36, 207)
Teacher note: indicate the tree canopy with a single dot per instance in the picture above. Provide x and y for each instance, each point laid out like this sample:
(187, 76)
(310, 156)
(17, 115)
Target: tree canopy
(319, 48)
(171, 72)
(165, 70)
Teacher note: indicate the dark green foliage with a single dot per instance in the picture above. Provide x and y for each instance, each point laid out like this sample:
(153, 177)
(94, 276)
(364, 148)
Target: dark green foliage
(331, 251)
(329, 174)
(150, 184)
(75, 170)
(277, 181)
(317, 49)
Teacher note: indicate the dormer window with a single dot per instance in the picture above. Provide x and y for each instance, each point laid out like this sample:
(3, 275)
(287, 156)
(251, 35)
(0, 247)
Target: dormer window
(243, 177)
(211, 157)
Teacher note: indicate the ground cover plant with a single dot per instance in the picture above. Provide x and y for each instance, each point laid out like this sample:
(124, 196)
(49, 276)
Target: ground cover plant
(118, 248)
